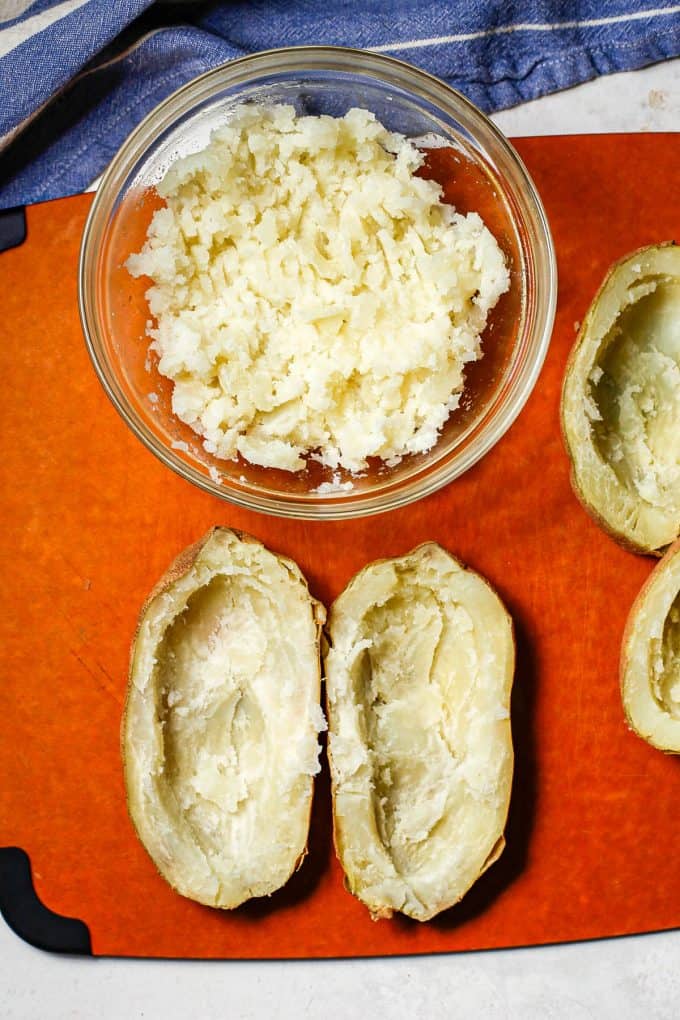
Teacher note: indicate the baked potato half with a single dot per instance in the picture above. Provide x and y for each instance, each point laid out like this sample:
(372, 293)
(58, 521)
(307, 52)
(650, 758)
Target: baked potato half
(219, 734)
(419, 669)
(621, 401)
(650, 657)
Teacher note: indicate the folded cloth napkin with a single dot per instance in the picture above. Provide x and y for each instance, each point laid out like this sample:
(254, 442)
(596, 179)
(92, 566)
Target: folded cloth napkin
(77, 75)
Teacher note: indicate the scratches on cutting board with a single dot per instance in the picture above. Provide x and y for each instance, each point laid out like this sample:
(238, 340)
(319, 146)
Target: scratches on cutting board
(109, 687)
(79, 647)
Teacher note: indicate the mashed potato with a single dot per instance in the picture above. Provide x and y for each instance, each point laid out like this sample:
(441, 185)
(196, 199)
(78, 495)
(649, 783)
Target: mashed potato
(311, 294)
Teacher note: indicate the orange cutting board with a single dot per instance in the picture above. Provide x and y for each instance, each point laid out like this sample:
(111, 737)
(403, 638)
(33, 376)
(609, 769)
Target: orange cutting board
(91, 520)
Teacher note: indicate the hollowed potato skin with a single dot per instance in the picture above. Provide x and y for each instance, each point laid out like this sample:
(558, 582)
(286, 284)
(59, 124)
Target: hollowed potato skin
(174, 870)
(420, 881)
(599, 495)
(640, 649)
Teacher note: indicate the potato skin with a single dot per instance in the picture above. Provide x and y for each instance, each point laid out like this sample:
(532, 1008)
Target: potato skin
(624, 540)
(178, 568)
(668, 560)
(385, 911)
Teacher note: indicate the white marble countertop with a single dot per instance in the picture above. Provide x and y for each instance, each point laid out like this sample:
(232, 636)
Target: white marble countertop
(623, 978)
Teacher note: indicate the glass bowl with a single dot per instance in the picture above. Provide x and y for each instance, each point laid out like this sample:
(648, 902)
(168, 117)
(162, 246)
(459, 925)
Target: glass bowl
(318, 79)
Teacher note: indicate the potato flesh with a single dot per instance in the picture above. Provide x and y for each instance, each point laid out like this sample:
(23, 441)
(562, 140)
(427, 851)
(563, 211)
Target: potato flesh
(420, 745)
(637, 396)
(667, 678)
(222, 703)
(222, 721)
(416, 738)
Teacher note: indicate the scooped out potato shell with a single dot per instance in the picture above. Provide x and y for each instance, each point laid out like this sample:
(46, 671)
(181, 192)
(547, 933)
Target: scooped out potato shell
(419, 671)
(650, 657)
(620, 407)
(219, 734)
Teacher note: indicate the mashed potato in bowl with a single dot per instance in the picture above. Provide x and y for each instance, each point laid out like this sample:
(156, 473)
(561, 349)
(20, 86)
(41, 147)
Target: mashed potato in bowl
(312, 296)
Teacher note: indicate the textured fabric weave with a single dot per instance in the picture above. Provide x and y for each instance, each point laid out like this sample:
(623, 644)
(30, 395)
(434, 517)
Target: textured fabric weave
(77, 75)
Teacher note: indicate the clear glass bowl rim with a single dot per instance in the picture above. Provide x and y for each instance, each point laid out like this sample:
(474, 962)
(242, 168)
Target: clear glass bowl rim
(420, 84)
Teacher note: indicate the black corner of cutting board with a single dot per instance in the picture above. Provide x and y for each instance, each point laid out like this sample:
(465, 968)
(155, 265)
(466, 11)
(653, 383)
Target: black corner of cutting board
(28, 917)
(12, 227)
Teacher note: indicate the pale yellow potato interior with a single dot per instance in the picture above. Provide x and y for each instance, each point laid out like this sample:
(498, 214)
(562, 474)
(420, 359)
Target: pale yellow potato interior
(651, 657)
(638, 397)
(669, 678)
(418, 682)
(222, 722)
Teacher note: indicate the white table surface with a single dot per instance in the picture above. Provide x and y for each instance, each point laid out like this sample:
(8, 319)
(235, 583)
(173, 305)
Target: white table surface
(635, 977)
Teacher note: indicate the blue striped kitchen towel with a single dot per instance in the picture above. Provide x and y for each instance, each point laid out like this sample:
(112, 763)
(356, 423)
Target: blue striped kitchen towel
(77, 75)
